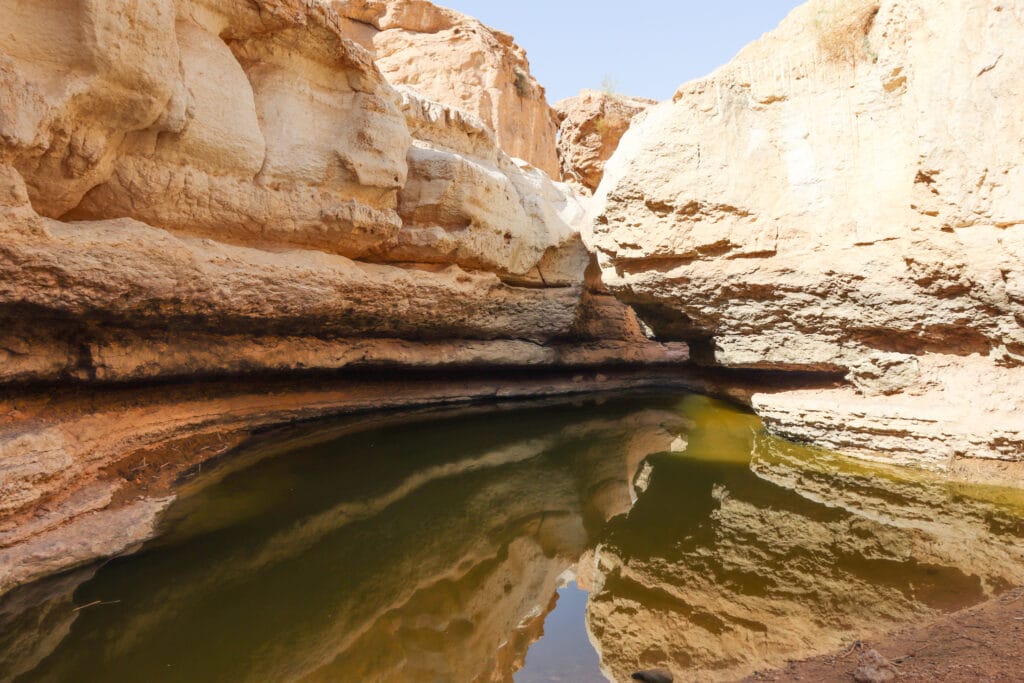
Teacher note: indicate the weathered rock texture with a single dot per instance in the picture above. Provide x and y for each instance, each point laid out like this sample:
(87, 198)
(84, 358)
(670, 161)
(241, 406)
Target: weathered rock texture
(590, 127)
(455, 59)
(196, 188)
(845, 196)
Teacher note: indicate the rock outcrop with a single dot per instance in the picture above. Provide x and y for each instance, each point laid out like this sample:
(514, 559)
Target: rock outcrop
(456, 60)
(590, 127)
(843, 197)
(198, 190)
(208, 188)
(256, 190)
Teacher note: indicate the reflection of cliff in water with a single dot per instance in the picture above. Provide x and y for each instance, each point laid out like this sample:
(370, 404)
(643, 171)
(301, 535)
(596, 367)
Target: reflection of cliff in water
(432, 551)
(726, 566)
(423, 552)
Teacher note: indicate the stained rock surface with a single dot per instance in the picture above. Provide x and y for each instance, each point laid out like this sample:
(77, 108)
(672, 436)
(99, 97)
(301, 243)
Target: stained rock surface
(844, 196)
(590, 127)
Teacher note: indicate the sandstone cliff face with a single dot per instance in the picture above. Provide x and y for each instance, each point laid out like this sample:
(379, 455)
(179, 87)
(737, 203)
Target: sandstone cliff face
(197, 188)
(457, 60)
(590, 127)
(844, 196)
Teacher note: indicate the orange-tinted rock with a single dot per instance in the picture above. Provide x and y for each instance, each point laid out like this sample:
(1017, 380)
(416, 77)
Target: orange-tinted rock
(590, 127)
(456, 60)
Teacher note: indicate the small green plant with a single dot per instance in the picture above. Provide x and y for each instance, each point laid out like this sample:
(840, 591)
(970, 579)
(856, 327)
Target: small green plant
(842, 28)
(522, 83)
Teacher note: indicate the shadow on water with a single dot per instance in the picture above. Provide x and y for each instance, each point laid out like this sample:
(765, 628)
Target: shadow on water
(450, 548)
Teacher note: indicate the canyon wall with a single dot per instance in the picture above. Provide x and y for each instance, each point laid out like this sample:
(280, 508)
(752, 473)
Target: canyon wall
(200, 188)
(234, 191)
(844, 197)
(229, 191)
(455, 59)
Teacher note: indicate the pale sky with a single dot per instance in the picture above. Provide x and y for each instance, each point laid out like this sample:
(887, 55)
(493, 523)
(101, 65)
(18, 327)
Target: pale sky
(646, 47)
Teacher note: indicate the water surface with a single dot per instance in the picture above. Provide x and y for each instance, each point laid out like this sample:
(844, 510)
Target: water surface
(555, 543)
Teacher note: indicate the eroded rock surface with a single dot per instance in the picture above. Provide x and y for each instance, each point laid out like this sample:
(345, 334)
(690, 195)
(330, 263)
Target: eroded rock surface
(193, 190)
(590, 127)
(842, 197)
(243, 190)
(455, 59)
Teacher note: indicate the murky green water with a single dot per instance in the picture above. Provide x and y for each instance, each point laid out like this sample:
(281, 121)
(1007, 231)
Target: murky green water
(573, 543)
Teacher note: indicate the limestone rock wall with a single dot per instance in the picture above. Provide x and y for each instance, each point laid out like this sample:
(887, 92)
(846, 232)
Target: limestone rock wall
(191, 188)
(455, 59)
(233, 192)
(253, 123)
(844, 196)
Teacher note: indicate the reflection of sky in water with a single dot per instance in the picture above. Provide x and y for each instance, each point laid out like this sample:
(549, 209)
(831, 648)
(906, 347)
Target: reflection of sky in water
(564, 653)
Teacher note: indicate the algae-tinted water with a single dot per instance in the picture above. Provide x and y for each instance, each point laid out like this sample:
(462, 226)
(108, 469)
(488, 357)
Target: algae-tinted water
(455, 546)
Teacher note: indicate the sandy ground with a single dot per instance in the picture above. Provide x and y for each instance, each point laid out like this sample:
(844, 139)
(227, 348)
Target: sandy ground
(984, 643)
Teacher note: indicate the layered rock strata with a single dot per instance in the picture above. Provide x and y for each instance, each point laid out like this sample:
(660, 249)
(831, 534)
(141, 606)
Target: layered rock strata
(843, 197)
(201, 190)
(197, 188)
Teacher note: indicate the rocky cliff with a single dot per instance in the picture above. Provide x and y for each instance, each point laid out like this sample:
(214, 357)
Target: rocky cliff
(195, 188)
(844, 197)
(457, 60)
(256, 190)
